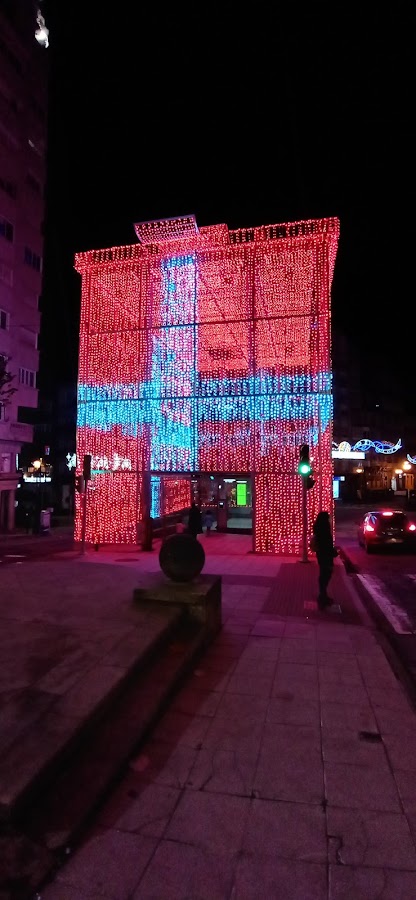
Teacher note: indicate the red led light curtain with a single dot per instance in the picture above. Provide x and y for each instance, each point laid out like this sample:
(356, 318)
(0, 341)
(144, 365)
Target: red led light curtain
(207, 351)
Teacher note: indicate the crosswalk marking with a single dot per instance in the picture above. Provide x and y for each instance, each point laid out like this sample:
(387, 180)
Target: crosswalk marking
(397, 617)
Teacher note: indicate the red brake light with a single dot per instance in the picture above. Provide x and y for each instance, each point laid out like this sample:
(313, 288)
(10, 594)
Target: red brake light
(411, 526)
(368, 527)
(387, 513)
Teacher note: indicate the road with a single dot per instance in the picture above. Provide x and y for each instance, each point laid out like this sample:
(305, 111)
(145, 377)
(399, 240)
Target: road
(386, 582)
(20, 548)
(389, 576)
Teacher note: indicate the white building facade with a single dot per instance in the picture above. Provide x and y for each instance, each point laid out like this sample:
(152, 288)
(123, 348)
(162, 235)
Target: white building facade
(23, 141)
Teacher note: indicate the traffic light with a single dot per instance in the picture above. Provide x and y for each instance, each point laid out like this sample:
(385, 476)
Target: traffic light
(86, 469)
(304, 465)
(309, 482)
(80, 484)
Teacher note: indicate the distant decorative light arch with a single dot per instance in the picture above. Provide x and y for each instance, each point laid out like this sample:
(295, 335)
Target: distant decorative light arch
(365, 444)
(378, 446)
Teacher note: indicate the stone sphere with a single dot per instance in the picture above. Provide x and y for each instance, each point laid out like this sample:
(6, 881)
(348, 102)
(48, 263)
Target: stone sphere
(181, 557)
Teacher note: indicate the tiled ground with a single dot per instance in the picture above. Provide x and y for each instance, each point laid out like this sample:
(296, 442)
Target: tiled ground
(283, 601)
(284, 769)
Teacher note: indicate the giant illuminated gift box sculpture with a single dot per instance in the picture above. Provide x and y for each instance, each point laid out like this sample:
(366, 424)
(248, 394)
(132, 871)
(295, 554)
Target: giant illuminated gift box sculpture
(206, 350)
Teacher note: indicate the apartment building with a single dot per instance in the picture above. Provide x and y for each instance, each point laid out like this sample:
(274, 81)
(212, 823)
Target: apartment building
(23, 142)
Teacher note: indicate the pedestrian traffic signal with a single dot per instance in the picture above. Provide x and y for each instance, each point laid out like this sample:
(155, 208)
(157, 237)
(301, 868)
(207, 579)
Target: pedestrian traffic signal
(86, 469)
(304, 465)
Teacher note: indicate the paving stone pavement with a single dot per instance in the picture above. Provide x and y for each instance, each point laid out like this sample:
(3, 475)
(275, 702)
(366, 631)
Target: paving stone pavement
(284, 767)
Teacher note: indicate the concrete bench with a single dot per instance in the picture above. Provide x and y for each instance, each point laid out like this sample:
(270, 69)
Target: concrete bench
(201, 598)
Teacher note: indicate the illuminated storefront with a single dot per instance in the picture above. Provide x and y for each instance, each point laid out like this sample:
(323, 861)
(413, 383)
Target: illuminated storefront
(205, 350)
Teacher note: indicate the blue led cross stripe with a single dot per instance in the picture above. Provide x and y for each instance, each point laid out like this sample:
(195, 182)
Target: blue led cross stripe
(173, 429)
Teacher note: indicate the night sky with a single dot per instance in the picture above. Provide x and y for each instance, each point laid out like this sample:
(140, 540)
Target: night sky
(248, 116)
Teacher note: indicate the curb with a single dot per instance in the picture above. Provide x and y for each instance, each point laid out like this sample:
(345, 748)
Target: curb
(390, 642)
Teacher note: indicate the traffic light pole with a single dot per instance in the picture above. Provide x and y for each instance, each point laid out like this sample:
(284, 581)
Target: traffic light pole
(86, 471)
(305, 469)
(304, 519)
(84, 517)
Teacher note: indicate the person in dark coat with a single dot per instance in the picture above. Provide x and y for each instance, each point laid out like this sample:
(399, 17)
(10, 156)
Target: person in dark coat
(209, 521)
(194, 521)
(325, 553)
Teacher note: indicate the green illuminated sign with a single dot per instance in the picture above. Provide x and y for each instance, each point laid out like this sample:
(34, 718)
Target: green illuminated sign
(242, 493)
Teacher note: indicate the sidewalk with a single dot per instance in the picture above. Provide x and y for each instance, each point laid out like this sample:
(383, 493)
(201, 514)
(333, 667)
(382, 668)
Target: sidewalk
(284, 768)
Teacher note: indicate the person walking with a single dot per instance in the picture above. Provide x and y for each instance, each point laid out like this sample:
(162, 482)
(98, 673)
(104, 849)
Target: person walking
(194, 521)
(325, 553)
(209, 521)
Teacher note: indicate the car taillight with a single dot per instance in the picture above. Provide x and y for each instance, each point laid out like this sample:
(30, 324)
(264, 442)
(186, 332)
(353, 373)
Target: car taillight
(411, 527)
(387, 513)
(369, 528)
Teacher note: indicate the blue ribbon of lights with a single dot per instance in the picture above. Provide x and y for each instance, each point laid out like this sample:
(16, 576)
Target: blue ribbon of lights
(261, 384)
(378, 446)
(97, 410)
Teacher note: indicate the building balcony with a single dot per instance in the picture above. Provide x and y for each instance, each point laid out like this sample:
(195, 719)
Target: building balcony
(21, 432)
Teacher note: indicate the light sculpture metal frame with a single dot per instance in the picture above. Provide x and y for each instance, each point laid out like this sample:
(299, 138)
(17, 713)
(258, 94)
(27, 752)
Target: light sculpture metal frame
(206, 350)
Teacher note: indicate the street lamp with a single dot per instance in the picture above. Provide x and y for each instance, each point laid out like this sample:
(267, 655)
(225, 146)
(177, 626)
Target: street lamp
(361, 482)
(42, 32)
(39, 467)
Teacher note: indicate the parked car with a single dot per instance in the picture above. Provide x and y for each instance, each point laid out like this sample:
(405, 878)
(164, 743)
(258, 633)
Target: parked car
(387, 528)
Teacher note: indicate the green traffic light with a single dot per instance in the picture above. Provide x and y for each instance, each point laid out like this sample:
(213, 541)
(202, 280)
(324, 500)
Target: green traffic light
(304, 468)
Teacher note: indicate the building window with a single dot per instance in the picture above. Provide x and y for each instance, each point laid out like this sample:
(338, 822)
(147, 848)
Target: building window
(27, 377)
(5, 462)
(4, 320)
(8, 187)
(6, 229)
(32, 259)
(6, 274)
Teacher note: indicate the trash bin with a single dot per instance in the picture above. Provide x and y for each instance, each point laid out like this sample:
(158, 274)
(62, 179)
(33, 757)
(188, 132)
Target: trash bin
(45, 521)
(222, 515)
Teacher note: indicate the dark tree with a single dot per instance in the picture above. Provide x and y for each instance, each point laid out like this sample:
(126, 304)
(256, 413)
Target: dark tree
(6, 378)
